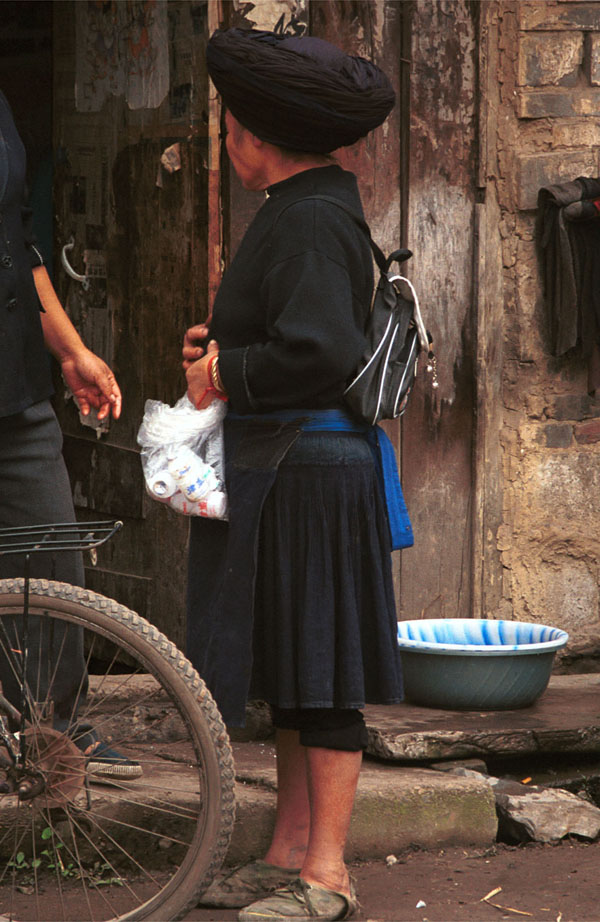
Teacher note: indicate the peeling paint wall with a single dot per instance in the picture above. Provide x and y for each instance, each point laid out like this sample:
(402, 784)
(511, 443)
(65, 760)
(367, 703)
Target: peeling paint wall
(547, 130)
(130, 187)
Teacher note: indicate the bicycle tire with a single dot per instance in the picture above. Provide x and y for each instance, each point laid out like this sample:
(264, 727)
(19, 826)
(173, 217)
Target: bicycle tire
(190, 834)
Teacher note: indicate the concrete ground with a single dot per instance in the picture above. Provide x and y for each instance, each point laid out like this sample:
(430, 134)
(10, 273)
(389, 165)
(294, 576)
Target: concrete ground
(408, 803)
(401, 801)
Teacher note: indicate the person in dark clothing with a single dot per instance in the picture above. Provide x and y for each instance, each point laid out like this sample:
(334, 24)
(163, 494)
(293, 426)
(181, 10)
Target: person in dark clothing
(35, 487)
(292, 599)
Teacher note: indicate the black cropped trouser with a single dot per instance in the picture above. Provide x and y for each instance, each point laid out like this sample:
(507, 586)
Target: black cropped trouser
(325, 728)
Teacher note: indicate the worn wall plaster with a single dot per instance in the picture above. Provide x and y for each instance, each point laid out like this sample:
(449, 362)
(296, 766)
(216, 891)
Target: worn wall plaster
(549, 541)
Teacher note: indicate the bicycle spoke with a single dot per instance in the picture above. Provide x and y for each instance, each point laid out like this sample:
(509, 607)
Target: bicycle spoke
(57, 873)
(34, 866)
(157, 805)
(105, 858)
(130, 857)
(80, 865)
(80, 845)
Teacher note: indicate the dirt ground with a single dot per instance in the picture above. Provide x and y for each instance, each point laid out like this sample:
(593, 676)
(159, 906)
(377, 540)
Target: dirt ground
(531, 883)
(539, 883)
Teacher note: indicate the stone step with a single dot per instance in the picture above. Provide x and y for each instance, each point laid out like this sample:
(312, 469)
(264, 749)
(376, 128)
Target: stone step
(400, 801)
(395, 808)
(565, 719)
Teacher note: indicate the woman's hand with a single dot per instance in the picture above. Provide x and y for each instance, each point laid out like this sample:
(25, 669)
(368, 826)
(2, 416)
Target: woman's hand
(201, 390)
(92, 383)
(191, 350)
(89, 378)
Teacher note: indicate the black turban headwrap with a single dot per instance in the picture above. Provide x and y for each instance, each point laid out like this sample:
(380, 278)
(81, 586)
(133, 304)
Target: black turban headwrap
(297, 92)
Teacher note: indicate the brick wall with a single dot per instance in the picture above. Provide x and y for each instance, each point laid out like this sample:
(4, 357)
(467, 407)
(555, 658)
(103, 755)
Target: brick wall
(548, 132)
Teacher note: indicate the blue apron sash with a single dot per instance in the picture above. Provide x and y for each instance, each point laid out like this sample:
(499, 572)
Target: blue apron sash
(401, 532)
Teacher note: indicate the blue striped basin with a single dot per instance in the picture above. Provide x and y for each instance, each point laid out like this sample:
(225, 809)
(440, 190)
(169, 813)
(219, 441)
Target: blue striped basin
(471, 664)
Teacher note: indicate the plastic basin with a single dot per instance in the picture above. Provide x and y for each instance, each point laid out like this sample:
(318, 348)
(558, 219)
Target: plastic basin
(481, 665)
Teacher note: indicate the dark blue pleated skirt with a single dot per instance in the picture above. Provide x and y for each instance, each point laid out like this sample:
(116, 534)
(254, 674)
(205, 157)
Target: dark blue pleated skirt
(324, 613)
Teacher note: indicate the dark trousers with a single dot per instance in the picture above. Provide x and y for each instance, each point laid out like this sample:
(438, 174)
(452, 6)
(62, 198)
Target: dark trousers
(325, 728)
(35, 490)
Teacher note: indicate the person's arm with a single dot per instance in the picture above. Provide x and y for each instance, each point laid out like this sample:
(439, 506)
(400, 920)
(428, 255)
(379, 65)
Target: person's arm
(313, 343)
(203, 383)
(311, 306)
(88, 376)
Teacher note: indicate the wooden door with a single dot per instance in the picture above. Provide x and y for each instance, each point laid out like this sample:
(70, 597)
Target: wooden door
(418, 177)
(419, 186)
(156, 243)
(440, 176)
(129, 85)
(418, 180)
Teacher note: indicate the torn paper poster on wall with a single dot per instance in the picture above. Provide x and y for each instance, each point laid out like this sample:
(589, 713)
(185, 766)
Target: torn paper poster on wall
(171, 158)
(121, 50)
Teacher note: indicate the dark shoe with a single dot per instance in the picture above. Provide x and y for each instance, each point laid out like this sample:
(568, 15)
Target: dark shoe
(246, 884)
(300, 900)
(105, 763)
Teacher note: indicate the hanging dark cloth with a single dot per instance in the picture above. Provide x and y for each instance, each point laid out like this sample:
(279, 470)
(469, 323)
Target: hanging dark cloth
(568, 240)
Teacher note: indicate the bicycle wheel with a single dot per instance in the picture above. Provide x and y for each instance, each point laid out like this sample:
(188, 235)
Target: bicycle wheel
(74, 844)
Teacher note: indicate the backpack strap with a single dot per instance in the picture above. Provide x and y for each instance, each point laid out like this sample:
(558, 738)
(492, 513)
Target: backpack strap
(383, 262)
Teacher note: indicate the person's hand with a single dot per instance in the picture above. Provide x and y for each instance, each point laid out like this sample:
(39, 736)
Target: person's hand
(191, 350)
(200, 390)
(92, 383)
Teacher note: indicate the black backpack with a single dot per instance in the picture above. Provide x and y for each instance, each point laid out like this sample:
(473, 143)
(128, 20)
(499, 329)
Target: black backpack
(396, 336)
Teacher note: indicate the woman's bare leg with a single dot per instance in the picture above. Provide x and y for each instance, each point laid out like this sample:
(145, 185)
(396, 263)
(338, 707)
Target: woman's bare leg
(332, 780)
(292, 822)
(315, 796)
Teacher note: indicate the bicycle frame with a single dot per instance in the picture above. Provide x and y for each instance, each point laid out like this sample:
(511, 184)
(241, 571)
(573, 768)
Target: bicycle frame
(27, 540)
(94, 827)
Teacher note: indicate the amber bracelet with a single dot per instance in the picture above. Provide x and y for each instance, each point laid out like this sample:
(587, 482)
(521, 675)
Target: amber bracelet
(213, 374)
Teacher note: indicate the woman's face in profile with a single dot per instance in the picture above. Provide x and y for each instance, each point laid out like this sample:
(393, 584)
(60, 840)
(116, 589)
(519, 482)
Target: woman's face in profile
(245, 155)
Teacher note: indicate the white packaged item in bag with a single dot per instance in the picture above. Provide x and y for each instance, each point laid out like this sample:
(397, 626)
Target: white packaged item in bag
(182, 456)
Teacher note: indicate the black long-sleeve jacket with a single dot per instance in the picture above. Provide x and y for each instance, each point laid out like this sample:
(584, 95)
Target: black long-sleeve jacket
(290, 313)
(25, 375)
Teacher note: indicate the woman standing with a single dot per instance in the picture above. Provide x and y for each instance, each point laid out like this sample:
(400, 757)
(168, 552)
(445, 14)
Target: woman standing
(292, 600)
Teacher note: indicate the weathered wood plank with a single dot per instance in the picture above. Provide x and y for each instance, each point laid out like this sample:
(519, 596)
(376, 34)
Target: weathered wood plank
(371, 30)
(105, 478)
(487, 458)
(438, 425)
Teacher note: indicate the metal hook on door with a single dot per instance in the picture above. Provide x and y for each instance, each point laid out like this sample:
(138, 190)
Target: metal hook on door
(69, 268)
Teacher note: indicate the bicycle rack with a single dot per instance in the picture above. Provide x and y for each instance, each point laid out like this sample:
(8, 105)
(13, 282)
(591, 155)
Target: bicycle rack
(64, 536)
(33, 539)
